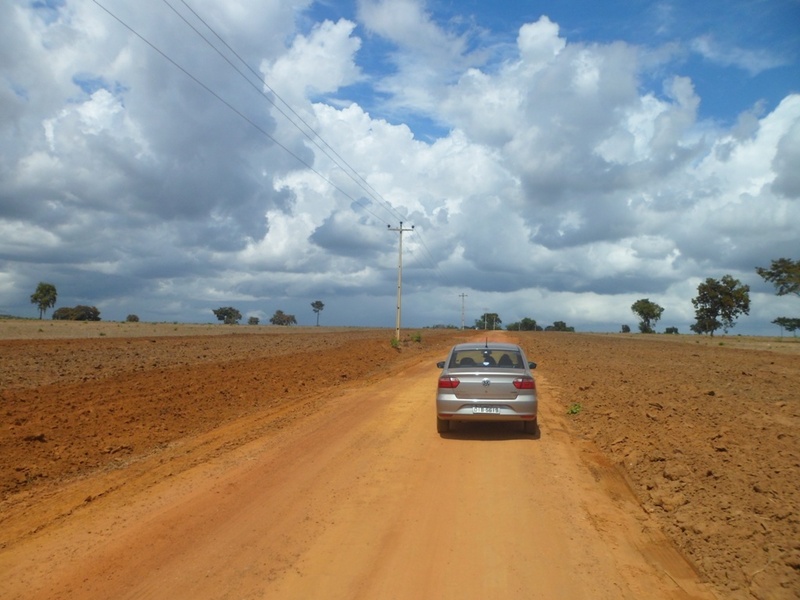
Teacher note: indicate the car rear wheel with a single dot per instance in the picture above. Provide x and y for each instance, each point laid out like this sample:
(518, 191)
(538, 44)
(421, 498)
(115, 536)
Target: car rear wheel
(442, 425)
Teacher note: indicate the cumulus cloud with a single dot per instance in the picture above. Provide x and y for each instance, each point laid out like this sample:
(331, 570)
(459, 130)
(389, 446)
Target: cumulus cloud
(567, 178)
(787, 155)
(316, 64)
(410, 27)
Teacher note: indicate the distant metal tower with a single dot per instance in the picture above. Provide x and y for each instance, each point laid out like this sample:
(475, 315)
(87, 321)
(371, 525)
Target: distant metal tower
(462, 296)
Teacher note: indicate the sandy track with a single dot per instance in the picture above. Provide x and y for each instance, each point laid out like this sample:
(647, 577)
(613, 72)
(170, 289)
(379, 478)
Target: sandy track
(362, 499)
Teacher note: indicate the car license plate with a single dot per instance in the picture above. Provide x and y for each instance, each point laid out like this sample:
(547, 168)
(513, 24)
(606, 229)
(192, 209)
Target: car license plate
(485, 410)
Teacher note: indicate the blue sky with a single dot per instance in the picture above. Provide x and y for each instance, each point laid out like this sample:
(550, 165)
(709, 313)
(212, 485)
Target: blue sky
(737, 53)
(558, 160)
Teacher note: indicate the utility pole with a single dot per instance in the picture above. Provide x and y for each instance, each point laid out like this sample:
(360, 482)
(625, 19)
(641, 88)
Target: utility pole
(462, 296)
(400, 230)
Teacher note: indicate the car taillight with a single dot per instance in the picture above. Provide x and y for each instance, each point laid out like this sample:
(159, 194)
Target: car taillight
(525, 383)
(448, 382)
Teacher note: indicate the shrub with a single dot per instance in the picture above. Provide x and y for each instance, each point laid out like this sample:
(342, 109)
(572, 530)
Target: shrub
(77, 313)
(281, 318)
(132, 319)
(228, 315)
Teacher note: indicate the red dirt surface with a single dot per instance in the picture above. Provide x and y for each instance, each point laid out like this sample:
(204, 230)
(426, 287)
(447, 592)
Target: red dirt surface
(705, 431)
(72, 406)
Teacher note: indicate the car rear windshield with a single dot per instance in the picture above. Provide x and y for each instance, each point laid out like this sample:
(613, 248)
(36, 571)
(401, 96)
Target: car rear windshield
(485, 357)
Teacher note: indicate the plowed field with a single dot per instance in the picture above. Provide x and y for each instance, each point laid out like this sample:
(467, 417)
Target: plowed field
(170, 461)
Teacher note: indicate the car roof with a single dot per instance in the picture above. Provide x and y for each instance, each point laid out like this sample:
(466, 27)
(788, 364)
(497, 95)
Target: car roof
(485, 345)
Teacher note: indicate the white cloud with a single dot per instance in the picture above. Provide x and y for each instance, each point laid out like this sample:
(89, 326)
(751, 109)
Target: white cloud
(571, 178)
(407, 24)
(319, 63)
(752, 61)
(425, 54)
(787, 155)
(539, 43)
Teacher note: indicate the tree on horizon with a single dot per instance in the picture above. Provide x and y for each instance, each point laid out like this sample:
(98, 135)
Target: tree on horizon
(317, 307)
(44, 297)
(719, 303)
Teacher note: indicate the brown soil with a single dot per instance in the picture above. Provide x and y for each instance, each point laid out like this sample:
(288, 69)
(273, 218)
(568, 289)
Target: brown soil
(97, 416)
(707, 431)
(72, 406)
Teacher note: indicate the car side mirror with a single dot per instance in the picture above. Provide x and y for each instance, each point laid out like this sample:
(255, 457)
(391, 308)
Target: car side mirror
(531, 365)
(440, 364)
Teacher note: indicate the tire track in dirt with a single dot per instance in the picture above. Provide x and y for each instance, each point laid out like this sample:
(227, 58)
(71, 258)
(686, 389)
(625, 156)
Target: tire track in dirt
(704, 432)
(361, 498)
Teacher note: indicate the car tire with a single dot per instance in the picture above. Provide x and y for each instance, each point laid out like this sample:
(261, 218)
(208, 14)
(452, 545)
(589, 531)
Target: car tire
(442, 425)
(530, 427)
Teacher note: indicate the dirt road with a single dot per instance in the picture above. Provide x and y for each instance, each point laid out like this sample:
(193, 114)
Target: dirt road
(360, 499)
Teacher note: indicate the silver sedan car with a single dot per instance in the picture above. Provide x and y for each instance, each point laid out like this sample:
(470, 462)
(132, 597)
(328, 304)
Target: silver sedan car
(486, 381)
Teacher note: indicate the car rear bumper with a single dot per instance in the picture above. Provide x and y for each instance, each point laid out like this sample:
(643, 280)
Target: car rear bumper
(460, 410)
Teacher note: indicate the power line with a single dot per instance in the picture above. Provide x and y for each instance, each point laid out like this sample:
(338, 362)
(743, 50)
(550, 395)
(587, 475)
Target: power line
(327, 150)
(338, 160)
(237, 111)
(353, 173)
(430, 258)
